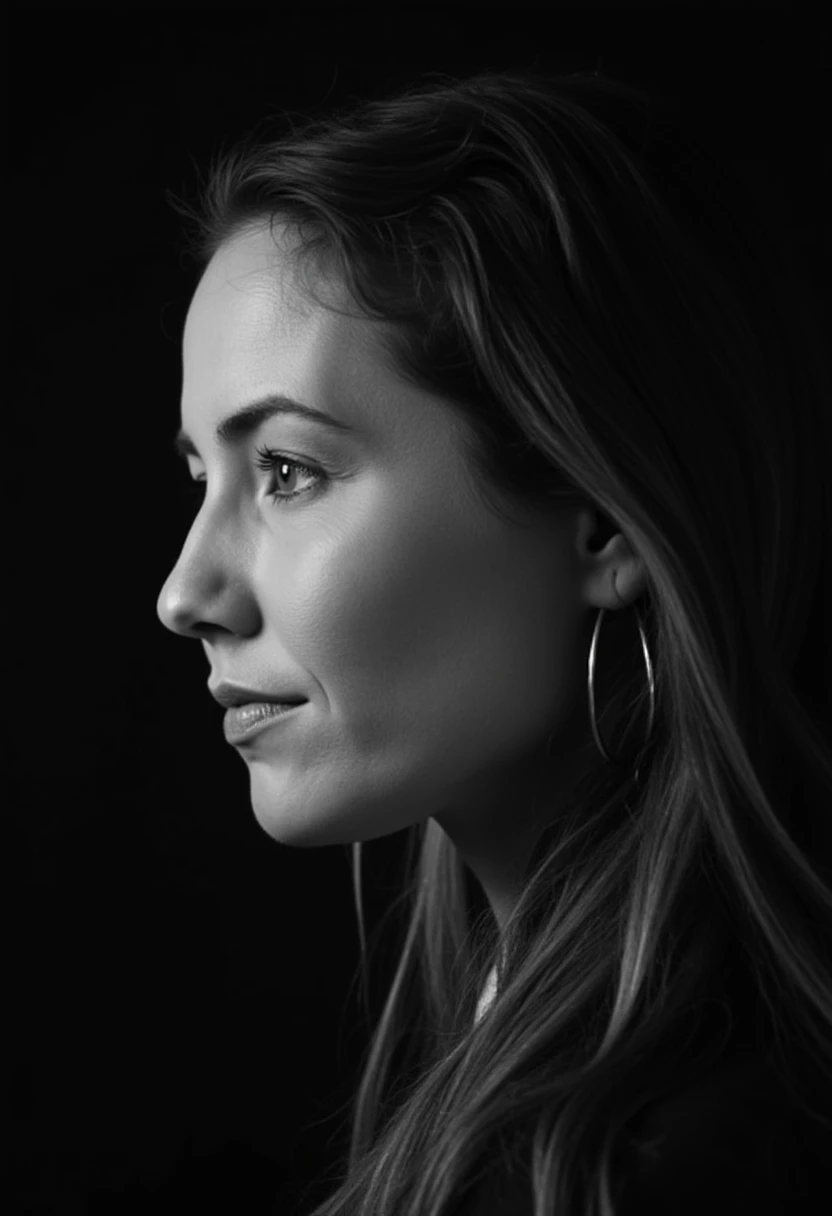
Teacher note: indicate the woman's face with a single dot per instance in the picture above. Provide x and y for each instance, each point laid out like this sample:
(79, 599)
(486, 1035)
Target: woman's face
(436, 646)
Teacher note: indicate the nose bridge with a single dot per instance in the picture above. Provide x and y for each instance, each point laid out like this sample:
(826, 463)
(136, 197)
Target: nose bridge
(206, 573)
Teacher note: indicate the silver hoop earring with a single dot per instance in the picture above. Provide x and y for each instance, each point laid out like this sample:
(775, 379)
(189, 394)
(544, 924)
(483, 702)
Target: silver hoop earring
(590, 683)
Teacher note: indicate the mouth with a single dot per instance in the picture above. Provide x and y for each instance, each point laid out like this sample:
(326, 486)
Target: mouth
(234, 695)
(245, 720)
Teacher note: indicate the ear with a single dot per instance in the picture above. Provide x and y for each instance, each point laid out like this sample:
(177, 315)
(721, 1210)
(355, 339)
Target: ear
(612, 575)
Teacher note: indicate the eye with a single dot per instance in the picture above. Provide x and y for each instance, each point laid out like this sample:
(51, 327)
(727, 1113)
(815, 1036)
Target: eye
(282, 466)
(279, 463)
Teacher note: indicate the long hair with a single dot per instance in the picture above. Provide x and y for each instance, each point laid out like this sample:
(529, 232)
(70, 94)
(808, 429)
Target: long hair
(619, 320)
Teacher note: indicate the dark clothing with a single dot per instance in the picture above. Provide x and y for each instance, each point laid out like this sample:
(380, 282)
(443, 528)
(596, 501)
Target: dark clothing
(734, 1144)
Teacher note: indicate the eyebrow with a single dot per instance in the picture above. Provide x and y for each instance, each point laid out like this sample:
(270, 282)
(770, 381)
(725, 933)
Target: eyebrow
(249, 418)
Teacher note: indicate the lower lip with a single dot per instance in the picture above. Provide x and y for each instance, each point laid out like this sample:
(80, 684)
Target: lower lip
(241, 722)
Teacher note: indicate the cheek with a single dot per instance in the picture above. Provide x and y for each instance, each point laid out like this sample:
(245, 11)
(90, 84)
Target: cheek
(411, 618)
(370, 599)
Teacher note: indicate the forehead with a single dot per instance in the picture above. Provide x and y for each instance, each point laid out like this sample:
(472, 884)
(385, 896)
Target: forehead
(251, 319)
(250, 293)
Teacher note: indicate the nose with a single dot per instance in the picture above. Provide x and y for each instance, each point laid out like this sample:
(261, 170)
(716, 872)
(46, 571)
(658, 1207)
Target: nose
(188, 599)
(206, 590)
(176, 607)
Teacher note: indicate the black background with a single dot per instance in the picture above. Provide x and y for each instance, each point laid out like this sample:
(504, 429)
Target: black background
(185, 1020)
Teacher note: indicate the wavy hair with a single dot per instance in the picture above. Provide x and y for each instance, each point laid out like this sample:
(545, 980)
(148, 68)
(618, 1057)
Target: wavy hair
(619, 319)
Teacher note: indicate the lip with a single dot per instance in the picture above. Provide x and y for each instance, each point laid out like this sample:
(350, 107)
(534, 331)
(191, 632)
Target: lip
(242, 722)
(230, 695)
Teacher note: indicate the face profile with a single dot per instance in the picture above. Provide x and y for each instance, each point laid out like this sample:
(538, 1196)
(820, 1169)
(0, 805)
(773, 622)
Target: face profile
(433, 644)
(524, 390)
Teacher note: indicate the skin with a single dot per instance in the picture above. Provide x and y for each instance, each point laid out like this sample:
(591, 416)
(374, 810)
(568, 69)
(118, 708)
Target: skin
(438, 647)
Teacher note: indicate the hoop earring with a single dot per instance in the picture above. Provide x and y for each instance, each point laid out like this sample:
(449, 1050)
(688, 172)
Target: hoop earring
(590, 683)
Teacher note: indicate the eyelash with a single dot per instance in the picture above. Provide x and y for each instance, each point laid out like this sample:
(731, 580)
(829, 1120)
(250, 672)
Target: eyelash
(270, 460)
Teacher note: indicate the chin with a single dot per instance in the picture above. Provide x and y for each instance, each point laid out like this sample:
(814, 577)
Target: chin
(302, 822)
(289, 826)
(298, 824)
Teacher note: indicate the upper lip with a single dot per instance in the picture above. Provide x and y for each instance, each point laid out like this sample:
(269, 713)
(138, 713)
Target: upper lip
(236, 694)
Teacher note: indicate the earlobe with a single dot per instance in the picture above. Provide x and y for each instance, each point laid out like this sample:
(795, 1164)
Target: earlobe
(628, 580)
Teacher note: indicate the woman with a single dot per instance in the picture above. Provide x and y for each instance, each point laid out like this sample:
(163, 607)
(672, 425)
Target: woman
(534, 578)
